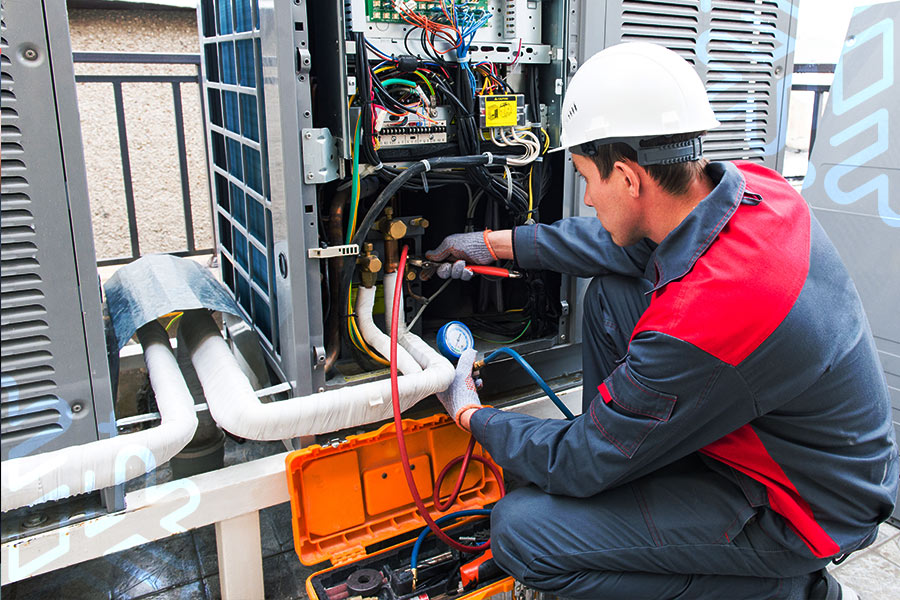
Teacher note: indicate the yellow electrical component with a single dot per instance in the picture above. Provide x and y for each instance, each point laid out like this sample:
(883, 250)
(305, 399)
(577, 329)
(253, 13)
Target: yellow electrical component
(502, 111)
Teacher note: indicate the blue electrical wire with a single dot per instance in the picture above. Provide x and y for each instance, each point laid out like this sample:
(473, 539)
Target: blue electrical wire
(468, 23)
(537, 378)
(379, 52)
(414, 559)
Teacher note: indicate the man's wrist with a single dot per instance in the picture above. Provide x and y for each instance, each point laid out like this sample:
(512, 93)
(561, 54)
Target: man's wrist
(501, 243)
(465, 416)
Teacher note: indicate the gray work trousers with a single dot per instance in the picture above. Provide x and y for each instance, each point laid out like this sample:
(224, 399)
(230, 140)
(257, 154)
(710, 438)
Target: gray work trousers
(688, 530)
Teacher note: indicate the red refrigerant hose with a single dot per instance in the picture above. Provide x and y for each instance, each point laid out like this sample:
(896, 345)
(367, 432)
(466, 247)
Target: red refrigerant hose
(401, 440)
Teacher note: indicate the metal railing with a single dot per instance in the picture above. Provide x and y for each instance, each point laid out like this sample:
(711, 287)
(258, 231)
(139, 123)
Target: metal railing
(818, 90)
(175, 81)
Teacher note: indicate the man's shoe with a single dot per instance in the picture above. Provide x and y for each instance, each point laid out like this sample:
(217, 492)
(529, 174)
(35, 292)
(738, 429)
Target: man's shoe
(826, 587)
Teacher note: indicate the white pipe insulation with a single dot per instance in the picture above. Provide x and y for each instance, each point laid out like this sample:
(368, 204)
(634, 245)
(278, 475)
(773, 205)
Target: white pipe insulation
(96, 465)
(235, 407)
(413, 343)
(365, 300)
(390, 284)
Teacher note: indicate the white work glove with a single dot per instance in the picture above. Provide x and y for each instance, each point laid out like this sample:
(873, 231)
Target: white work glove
(462, 393)
(471, 247)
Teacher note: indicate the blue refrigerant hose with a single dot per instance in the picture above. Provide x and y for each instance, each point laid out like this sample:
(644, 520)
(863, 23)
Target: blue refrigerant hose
(414, 559)
(537, 378)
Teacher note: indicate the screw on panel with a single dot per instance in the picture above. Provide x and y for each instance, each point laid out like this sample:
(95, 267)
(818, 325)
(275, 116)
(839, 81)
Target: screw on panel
(35, 520)
(30, 54)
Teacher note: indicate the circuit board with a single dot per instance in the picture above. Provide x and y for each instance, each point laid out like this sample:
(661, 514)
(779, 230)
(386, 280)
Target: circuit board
(383, 11)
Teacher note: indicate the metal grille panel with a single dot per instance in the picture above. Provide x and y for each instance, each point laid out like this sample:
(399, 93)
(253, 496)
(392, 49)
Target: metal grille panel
(229, 30)
(28, 373)
(739, 49)
(51, 395)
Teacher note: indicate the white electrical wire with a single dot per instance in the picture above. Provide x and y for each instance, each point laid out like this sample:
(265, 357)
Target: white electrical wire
(426, 303)
(525, 139)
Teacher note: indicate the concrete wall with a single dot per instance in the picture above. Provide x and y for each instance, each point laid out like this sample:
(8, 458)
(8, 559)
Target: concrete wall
(150, 123)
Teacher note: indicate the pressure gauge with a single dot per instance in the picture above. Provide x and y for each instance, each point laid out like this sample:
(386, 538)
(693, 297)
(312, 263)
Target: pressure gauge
(453, 339)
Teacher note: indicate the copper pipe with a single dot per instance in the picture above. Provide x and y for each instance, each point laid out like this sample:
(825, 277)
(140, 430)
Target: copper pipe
(391, 255)
(335, 266)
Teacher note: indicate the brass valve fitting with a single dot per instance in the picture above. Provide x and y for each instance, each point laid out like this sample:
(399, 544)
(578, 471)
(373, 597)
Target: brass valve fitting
(393, 229)
(369, 266)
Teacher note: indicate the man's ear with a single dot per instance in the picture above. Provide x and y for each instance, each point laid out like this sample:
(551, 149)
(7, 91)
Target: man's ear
(629, 177)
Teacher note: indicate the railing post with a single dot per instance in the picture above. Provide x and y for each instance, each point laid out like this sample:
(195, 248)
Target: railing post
(178, 105)
(182, 164)
(817, 96)
(126, 170)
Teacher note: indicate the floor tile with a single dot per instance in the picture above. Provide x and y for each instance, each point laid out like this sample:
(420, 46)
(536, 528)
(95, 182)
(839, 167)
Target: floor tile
(238, 453)
(870, 576)
(280, 516)
(90, 579)
(272, 527)
(891, 551)
(284, 577)
(211, 587)
(885, 533)
(190, 591)
(205, 545)
(153, 567)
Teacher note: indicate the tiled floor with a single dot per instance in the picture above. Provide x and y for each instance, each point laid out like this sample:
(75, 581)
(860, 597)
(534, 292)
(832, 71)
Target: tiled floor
(185, 567)
(874, 573)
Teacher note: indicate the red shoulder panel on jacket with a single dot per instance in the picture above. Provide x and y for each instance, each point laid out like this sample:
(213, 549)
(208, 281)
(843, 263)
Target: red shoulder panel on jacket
(747, 281)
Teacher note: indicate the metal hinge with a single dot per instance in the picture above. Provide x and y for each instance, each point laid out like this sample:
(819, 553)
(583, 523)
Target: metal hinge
(304, 61)
(320, 156)
(334, 251)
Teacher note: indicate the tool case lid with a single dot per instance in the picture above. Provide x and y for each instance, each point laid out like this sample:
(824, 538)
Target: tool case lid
(347, 496)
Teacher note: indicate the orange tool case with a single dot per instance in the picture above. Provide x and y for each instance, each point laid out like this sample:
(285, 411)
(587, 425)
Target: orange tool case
(350, 504)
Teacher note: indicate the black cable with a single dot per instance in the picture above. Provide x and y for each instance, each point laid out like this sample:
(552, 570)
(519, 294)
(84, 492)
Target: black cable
(425, 47)
(406, 41)
(416, 169)
(364, 84)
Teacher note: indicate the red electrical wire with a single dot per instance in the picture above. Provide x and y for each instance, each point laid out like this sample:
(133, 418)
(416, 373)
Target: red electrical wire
(401, 440)
(518, 54)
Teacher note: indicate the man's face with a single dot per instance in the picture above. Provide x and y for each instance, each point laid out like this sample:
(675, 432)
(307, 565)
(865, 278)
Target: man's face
(611, 200)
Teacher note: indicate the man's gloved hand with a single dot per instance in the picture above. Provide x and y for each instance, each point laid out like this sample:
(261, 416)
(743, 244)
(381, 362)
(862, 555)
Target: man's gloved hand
(462, 393)
(468, 247)
(471, 247)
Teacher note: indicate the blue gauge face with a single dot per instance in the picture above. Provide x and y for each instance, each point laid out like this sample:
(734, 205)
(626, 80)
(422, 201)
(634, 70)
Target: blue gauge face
(454, 338)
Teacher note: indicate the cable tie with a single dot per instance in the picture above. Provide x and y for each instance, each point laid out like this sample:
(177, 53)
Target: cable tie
(424, 181)
(490, 158)
(427, 164)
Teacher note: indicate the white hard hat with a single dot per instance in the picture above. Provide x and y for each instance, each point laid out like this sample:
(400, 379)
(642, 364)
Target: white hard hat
(632, 91)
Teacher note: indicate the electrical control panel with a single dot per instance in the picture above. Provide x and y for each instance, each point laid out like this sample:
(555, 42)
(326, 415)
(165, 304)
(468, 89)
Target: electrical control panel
(318, 109)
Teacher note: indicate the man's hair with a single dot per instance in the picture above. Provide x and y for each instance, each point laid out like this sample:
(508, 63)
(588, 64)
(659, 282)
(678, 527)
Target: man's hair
(674, 179)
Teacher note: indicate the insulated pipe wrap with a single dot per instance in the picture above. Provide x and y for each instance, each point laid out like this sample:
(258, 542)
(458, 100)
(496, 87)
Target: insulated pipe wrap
(235, 407)
(96, 465)
(365, 300)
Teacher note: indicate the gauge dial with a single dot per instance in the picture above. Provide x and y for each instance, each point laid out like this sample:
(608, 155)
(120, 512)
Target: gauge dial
(453, 339)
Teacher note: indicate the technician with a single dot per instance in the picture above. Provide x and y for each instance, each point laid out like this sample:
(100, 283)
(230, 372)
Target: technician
(736, 433)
